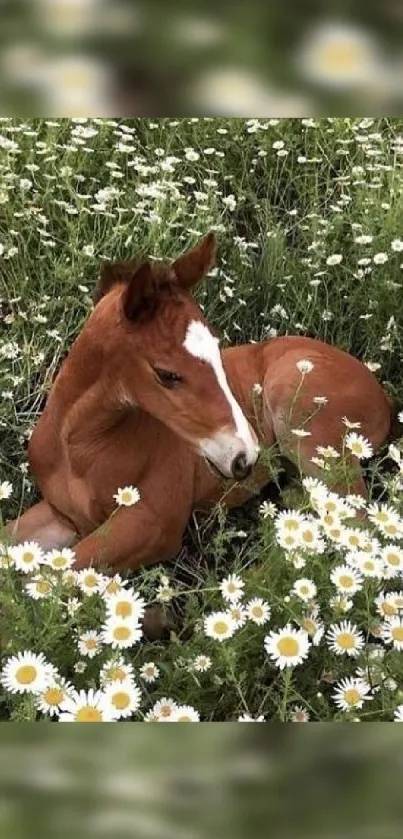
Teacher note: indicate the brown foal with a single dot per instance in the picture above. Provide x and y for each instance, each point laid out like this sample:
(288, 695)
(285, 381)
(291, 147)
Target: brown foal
(146, 398)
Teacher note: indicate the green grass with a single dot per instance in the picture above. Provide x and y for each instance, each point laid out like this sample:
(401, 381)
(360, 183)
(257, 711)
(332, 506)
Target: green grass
(294, 205)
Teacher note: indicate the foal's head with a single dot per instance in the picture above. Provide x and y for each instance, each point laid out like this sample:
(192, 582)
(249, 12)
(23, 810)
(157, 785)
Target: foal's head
(169, 361)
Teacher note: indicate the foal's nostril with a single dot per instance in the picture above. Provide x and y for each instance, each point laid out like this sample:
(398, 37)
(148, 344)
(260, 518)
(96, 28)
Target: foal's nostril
(240, 467)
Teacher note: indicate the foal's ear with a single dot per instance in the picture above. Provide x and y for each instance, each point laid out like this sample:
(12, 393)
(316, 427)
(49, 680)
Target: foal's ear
(140, 297)
(193, 265)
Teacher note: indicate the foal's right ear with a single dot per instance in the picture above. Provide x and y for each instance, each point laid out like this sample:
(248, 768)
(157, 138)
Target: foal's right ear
(140, 298)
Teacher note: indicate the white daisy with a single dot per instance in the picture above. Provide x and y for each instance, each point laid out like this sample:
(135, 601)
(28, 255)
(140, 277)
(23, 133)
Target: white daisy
(341, 603)
(354, 539)
(202, 663)
(380, 258)
(120, 633)
(86, 706)
(50, 700)
(334, 259)
(392, 632)
(27, 557)
(366, 565)
(114, 585)
(304, 589)
(89, 581)
(26, 672)
(69, 578)
(232, 588)
(248, 718)
(299, 714)
(5, 490)
(126, 604)
(219, 625)
(313, 627)
(345, 639)
(287, 647)
(164, 710)
(398, 715)
(304, 366)
(392, 558)
(385, 604)
(116, 670)
(349, 423)
(258, 611)
(346, 579)
(310, 538)
(149, 672)
(268, 510)
(89, 644)
(359, 445)
(350, 694)
(127, 496)
(60, 560)
(39, 588)
(122, 699)
(186, 713)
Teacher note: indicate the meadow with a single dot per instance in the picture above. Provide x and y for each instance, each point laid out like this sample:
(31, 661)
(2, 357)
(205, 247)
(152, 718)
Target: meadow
(309, 218)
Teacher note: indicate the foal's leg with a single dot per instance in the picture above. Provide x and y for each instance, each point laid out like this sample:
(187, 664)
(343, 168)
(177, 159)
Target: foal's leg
(132, 537)
(41, 524)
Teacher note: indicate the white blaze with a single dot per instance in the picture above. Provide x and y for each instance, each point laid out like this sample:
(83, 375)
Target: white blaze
(200, 343)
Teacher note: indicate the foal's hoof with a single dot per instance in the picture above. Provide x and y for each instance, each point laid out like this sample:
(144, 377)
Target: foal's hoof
(157, 623)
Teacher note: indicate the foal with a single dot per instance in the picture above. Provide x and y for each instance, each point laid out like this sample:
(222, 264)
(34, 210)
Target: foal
(146, 398)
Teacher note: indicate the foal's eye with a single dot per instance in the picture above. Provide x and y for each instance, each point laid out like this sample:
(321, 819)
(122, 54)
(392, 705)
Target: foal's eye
(166, 377)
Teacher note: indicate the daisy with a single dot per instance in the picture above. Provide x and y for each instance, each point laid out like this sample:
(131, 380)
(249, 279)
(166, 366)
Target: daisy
(313, 627)
(299, 714)
(304, 589)
(386, 520)
(114, 586)
(334, 259)
(341, 603)
(164, 710)
(122, 699)
(6, 560)
(304, 366)
(351, 694)
(89, 644)
(287, 539)
(398, 715)
(232, 588)
(126, 604)
(39, 588)
(120, 633)
(5, 490)
(392, 558)
(149, 672)
(27, 557)
(289, 520)
(268, 510)
(366, 565)
(258, 611)
(349, 424)
(50, 700)
(287, 647)
(328, 452)
(353, 538)
(309, 537)
(70, 578)
(346, 579)
(248, 718)
(89, 581)
(127, 496)
(186, 713)
(26, 672)
(116, 670)
(396, 598)
(238, 614)
(82, 706)
(202, 663)
(345, 639)
(219, 625)
(385, 605)
(60, 560)
(392, 632)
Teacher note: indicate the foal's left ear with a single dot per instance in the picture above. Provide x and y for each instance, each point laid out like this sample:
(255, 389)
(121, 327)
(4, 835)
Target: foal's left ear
(193, 265)
(140, 298)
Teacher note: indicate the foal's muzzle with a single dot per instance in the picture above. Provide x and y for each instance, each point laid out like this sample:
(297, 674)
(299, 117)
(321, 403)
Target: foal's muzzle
(230, 455)
(240, 467)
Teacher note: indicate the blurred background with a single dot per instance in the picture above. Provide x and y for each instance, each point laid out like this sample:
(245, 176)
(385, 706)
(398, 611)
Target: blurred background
(186, 57)
(297, 782)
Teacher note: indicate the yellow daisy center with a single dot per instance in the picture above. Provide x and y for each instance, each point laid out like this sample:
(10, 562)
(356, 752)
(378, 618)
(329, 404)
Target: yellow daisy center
(257, 612)
(121, 700)
(354, 540)
(115, 674)
(43, 587)
(309, 625)
(91, 644)
(113, 588)
(122, 633)
(393, 559)
(345, 581)
(356, 448)
(59, 561)
(291, 524)
(345, 640)
(382, 517)
(90, 581)
(26, 674)
(124, 609)
(53, 696)
(351, 696)
(391, 529)
(220, 627)
(166, 711)
(28, 557)
(126, 497)
(289, 540)
(388, 608)
(397, 633)
(183, 718)
(307, 536)
(288, 647)
(368, 565)
(88, 714)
